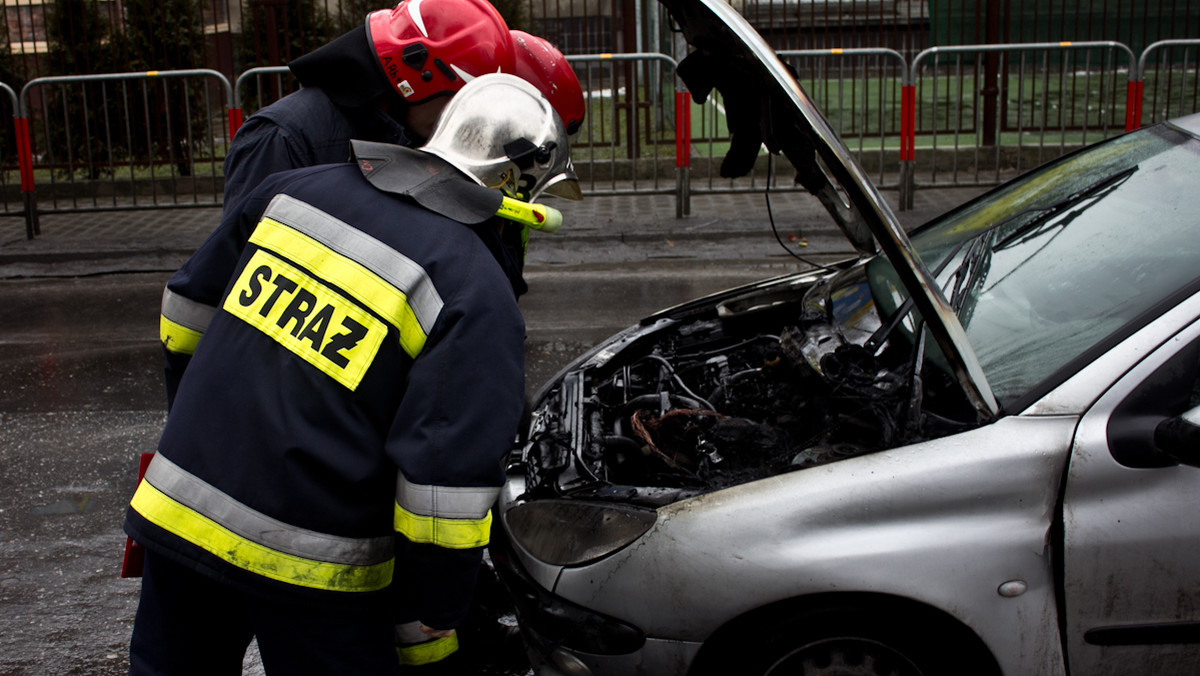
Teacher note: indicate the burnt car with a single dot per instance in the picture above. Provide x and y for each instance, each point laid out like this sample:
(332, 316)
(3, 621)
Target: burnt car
(971, 449)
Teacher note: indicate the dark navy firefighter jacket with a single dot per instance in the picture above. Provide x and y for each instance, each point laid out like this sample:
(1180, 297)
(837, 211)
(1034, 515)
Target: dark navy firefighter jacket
(343, 366)
(302, 129)
(343, 88)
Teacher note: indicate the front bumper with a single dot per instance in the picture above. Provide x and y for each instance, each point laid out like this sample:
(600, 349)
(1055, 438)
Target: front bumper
(549, 622)
(566, 639)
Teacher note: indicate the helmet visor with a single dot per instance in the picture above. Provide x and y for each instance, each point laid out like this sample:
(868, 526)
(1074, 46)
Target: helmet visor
(565, 185)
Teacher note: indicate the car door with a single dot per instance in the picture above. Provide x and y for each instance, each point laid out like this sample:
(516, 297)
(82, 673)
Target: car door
(1131, 526)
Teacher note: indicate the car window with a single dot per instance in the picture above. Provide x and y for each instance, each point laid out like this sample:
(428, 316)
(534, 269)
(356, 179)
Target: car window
(1172, 389)
(1036, 288)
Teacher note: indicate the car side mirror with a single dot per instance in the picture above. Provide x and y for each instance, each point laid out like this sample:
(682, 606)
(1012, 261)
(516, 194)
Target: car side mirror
(1179, 437)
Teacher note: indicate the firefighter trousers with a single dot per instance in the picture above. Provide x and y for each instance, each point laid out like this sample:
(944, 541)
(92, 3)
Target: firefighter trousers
(190, 624)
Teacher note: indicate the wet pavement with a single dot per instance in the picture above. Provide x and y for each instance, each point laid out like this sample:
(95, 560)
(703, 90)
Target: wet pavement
(80, 381)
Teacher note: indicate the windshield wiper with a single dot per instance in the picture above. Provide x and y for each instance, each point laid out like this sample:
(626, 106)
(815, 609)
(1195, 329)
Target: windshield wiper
(1049, 211)
(968, 272)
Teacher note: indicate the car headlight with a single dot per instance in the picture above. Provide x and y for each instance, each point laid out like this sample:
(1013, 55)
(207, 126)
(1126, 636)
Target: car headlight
(570, 532)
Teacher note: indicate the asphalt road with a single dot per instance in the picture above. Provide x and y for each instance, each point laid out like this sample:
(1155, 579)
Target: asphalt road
(80, 381)
(81, 398)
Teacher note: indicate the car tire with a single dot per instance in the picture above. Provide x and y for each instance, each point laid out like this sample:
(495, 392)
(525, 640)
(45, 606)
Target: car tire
(849, 642)
(842, 656)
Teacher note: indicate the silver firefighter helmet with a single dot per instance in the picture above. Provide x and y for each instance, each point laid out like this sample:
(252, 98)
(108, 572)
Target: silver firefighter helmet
(502, 132)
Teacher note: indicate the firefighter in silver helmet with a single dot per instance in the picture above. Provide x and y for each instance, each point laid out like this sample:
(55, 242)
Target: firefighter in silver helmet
(345, 376)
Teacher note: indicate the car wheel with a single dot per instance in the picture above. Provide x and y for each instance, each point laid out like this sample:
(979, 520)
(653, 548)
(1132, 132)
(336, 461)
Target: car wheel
(843, 656)
(848, 642)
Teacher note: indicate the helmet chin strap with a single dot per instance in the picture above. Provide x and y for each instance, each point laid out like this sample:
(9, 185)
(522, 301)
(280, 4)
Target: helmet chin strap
(421, 118)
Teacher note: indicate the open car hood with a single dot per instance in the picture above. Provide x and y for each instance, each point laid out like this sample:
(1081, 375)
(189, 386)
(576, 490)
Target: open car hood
(766, 106)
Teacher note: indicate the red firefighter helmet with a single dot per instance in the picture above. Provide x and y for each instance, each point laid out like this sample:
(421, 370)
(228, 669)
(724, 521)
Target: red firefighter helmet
(432, 47)
(540, 63)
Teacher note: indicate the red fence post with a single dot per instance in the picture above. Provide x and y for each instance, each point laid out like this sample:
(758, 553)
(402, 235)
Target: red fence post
(908, 142)
(683, 131)
(235, 122)
(25, 163)
(1133, 105)
(683, 154)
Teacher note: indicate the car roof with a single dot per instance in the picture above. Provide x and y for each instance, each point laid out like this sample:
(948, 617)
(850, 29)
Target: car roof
(1188, 123)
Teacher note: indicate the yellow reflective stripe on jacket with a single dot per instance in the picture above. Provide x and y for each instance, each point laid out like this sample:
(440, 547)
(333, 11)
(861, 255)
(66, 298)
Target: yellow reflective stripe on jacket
(456, 517)
(428, 652)
(176, 338)
(183, 322)
(182, 504)
(448, 533)
(388, 282)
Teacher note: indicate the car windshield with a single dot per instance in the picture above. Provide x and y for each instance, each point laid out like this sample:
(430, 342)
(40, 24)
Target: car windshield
(1048, 267)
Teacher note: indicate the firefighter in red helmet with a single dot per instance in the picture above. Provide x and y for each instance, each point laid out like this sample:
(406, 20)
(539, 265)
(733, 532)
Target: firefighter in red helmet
(344, 362)
(387, 81)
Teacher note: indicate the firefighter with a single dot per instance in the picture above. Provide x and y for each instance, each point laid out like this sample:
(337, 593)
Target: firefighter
(387, 81)
(345, 376)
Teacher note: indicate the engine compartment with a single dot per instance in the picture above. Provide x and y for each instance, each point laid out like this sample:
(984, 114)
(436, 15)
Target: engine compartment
(780, 379)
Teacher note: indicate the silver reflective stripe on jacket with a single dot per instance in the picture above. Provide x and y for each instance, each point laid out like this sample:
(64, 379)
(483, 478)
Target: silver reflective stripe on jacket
(392, 266)
(203, 498)
(445, 502)
(186, 312)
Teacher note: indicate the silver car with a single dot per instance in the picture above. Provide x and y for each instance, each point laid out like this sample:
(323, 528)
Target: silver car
(972, 450)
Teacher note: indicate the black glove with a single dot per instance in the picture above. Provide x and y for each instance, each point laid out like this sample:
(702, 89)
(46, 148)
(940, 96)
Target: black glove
(702, 72)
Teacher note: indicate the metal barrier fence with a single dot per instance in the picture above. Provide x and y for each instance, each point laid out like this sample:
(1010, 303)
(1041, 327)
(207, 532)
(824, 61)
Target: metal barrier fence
(121, 141)
(1174, 89)
(969, 115)
(984, 113)
(628, 139)
(864, 108)
(860, 92)
(625, 144)
(269, 87)
(5, 158)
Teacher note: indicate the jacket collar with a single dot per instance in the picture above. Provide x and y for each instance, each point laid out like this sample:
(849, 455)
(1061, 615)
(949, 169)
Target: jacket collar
(429, 180)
